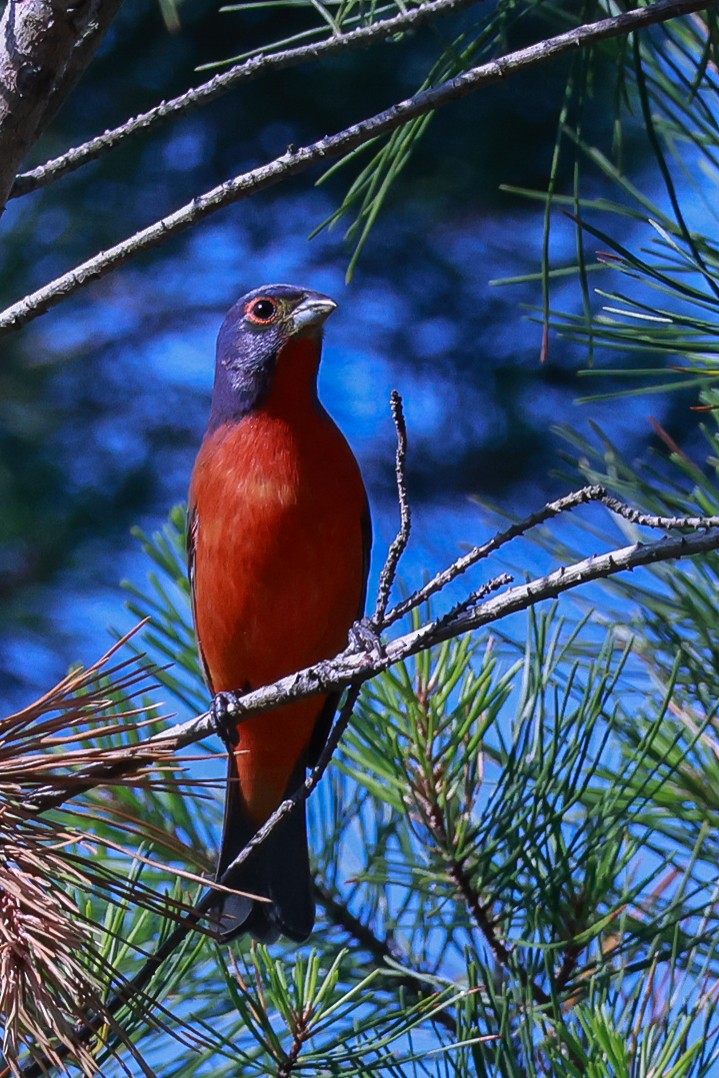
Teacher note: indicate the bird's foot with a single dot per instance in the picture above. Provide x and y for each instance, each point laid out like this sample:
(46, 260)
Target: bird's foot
(363, 636)
(225, 709)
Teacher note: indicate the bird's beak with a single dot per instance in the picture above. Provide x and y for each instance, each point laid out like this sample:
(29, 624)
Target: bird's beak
(311, 312)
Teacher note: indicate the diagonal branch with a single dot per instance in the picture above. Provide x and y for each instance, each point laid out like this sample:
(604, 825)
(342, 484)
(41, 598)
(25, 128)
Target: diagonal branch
(295, 161)
(354, 668)
(237, 75)
(481, 915)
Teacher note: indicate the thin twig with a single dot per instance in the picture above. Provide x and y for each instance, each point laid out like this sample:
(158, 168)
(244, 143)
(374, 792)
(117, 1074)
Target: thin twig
(400, 541)
(425, 780)
(474, 597)
(567, 968)
(295, 161)
(301, 1030)
(479, 912)
(240, 73)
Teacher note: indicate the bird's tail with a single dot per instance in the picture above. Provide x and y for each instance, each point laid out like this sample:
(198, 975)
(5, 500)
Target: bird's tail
(278, 870)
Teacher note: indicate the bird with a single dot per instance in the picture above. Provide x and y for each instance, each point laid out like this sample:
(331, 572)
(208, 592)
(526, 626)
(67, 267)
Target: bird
(278, 538)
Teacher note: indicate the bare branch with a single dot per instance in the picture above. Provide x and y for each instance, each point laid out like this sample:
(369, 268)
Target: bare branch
(42, 45)
(209, 91)
(293, 162)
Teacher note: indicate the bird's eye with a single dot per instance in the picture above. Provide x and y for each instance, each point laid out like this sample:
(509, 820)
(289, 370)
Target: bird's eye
(262, 310)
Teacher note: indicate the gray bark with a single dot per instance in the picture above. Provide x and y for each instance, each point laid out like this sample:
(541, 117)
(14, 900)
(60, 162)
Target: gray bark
(45, 45)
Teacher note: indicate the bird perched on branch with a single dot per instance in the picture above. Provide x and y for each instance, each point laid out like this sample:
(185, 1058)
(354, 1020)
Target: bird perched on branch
(278, 545)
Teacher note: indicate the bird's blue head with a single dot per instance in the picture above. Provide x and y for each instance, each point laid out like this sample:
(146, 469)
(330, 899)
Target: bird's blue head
(251, 337)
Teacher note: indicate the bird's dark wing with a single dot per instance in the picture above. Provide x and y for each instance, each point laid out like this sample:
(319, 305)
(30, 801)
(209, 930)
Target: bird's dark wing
(191, 537)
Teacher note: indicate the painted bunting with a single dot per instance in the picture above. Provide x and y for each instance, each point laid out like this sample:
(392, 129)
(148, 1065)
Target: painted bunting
(278, 544)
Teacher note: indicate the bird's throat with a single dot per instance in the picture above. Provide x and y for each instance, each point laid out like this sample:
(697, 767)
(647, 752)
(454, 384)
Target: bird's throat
(294, 380)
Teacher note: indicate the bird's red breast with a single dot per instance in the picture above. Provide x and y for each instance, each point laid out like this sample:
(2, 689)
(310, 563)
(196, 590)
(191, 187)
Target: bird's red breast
(278, 510)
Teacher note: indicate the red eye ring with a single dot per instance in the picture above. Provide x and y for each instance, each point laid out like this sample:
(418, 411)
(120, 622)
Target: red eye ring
(261, 311)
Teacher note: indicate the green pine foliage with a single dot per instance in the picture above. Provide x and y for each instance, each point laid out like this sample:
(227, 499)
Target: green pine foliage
(646, 246)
